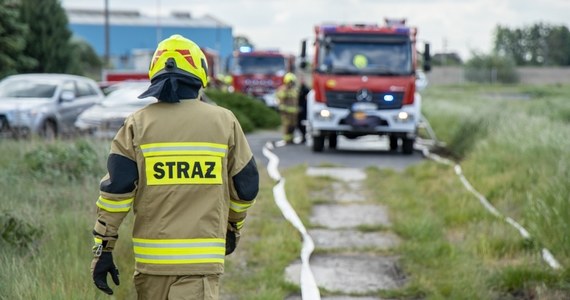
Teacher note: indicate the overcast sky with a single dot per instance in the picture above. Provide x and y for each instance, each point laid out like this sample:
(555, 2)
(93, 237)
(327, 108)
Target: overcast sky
(449, 25)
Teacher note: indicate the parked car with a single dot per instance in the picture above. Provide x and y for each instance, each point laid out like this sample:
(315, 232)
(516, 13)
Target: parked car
(104, 119)
(44, 104)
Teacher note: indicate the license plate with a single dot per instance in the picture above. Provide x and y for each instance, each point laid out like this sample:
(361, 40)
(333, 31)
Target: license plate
(364, 106)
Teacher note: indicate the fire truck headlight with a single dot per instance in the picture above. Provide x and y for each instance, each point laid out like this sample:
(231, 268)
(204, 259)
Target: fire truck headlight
(325, 114)
(403, 117)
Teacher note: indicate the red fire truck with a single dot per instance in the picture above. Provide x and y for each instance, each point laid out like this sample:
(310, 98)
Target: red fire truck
(111, 77)
(259, 73)
(364, 83)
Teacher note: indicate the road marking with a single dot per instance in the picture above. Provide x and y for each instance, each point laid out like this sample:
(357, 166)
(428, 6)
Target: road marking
(309, 288)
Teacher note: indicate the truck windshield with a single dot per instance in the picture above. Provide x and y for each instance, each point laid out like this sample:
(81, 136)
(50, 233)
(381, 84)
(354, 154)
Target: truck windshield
(260, 65)
(27, 88)
(366, 58)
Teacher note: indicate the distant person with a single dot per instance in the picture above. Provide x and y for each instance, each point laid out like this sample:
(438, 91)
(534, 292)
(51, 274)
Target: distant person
(287, 98)
(302, 117)
(186, 171)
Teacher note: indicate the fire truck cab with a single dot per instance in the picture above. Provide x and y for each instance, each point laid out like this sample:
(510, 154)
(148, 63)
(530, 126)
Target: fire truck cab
(259, 73)
(364, 83)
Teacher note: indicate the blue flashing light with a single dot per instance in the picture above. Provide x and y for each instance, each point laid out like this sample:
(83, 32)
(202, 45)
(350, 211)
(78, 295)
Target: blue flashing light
(329, 28)
(388, 98)
(245, 49)
(403, 30)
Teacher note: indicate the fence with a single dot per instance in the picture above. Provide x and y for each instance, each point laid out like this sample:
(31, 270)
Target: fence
(527, 75)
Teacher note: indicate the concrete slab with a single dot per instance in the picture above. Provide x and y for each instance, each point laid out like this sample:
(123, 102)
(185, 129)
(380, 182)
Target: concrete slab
(352, 191)
(343, 174)
(353, 239)
(349, 216)
(351, 273)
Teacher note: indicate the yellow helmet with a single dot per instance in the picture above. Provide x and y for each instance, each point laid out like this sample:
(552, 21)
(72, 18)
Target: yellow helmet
(180, 55)
(289, 77)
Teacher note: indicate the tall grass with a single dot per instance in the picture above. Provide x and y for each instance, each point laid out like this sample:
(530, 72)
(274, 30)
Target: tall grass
(514, 147)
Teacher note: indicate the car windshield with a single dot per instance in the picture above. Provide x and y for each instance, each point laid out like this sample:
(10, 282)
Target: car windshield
(260, 65)
(127, 95)
(27, 88)
(366, 58)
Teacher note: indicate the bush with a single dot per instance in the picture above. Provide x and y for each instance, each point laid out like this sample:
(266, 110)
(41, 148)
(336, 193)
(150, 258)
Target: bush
(249, 111)
(60, 159)
(16, 232)
(491, 69)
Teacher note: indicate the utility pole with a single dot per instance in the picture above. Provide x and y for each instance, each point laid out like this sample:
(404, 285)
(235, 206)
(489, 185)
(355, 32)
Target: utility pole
(107, 38)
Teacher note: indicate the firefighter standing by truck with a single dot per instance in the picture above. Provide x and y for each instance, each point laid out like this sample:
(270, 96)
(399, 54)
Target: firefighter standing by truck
(186, 170)
(288, 106)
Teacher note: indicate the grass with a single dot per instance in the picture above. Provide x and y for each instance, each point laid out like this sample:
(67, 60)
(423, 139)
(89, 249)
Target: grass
(514, 150)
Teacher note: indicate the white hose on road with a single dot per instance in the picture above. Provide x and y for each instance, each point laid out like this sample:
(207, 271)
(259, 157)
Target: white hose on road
(309, 288)
(546, 254)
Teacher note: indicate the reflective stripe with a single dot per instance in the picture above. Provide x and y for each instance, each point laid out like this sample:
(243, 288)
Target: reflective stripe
(163, 149)
(179, 251)
(98, 241)
(115, 206)
(240, 207)
(239, 224)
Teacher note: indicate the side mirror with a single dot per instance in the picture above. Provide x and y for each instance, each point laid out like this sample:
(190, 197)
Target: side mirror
(303, 49)
(427, 58)
(67, 96)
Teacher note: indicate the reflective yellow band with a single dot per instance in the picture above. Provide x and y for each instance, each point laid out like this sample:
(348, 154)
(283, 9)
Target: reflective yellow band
(98, 241)
(240, 207)
(164, 149)
(179, 251)
(115, 206)
(239, 224)
(189, 169)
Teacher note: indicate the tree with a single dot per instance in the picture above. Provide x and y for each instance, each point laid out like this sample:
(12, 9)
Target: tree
(49, 36)
(85, 60)
(535, 45)
(12, 42)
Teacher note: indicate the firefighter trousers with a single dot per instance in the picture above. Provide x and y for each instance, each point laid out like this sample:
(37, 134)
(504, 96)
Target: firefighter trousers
(188, 287)
(288, 124)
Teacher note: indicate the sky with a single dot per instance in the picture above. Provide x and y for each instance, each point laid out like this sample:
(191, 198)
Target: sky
(461, 26)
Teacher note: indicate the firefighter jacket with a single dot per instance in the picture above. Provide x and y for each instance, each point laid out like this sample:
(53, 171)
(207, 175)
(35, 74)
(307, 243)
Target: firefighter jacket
(185, 170)
(287, 97)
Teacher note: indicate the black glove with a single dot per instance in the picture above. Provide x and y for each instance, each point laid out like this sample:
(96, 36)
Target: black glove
(102, 265)
(232, 238)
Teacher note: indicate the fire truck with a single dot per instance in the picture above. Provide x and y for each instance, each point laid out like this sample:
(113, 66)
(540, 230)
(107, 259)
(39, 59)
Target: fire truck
(259, 73)
(364, 83)
(111, 77)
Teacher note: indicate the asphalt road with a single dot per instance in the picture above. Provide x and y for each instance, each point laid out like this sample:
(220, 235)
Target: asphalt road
(359, 153)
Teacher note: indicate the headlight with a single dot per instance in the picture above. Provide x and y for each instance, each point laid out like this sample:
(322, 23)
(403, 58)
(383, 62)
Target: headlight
(325, 114)
(29, 114)
(403, 117)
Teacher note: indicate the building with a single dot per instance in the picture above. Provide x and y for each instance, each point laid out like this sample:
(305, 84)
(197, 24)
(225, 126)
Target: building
(133, 36)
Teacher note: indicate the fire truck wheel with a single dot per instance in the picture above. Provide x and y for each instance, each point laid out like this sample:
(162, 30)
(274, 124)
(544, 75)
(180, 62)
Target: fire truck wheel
(333, 138)
(393, 143)
(318, 143)
(407, 145)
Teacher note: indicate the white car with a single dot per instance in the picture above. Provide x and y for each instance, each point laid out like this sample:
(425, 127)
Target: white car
(44, 104)
(104, 119)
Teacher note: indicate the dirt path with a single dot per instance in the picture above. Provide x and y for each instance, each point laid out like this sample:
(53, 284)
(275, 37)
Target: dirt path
(349, 229)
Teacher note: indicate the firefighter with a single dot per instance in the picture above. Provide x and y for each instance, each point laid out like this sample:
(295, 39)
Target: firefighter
(186, 171)
(287, 98)
(302, 100)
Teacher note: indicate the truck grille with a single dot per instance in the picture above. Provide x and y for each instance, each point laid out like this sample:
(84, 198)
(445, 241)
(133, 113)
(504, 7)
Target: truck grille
(341, 99)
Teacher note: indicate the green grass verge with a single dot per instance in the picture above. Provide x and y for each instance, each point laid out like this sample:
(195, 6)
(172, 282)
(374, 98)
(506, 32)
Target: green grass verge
(512, 143)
